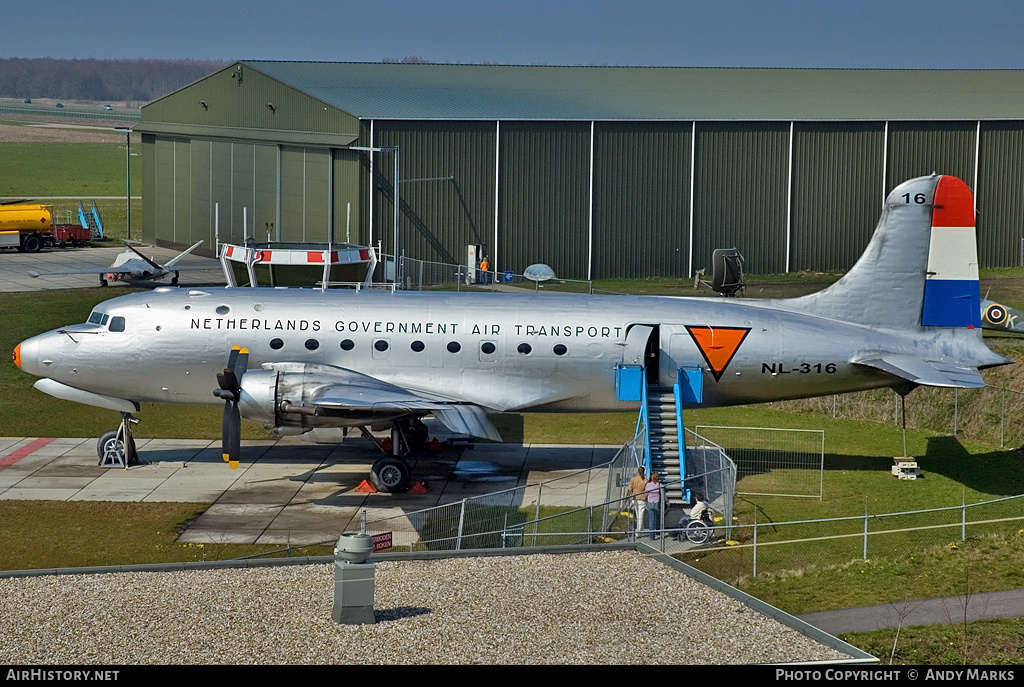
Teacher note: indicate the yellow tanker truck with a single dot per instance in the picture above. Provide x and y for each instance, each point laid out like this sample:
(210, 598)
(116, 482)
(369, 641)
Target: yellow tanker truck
(25, 227)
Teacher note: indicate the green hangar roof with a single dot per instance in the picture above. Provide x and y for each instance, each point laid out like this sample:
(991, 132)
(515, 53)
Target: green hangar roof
(488, 92)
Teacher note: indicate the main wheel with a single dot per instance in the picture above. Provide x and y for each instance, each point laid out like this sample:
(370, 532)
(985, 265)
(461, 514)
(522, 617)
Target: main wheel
(390, 475)
(33, 244)
(697, 532)
(110, 447)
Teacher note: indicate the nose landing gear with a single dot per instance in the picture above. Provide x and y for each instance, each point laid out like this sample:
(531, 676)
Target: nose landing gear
(116, 448)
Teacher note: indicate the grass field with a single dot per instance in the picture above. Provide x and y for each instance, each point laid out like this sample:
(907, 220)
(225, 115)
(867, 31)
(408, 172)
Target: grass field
(986, 642)
(80, 171)
(66, 169)
(51, 534)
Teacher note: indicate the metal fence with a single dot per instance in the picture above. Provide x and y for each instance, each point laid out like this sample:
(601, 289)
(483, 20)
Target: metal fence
(620, 471)
(992, 415)
(708, 471)
(771, 461)
(553, 511)
(760, 547)
(581, 507)
(417, 275)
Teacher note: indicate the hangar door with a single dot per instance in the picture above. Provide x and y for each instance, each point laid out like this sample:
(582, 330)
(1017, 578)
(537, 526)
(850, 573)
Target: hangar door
(196, 178)
(305, 193)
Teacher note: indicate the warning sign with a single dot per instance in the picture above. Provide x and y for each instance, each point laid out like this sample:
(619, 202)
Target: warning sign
(718, 345)
(382, 541)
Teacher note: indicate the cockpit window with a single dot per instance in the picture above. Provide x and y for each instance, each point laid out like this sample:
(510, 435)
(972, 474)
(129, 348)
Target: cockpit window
(116, 324)
(98, 317)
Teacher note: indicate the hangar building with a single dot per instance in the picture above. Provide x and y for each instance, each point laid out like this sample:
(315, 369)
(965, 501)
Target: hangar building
(597, 171)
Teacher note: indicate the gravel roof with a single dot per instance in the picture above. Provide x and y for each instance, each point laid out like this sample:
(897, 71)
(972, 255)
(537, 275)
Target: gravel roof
(580, 608)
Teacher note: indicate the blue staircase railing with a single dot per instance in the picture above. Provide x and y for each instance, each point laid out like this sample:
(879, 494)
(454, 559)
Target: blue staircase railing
(689, 388)
(680, 433)
(99, 222)
(645, 420)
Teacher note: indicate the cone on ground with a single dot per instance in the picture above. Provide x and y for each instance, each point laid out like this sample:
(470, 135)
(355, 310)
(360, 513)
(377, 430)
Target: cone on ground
(366, 488)
(418, 487)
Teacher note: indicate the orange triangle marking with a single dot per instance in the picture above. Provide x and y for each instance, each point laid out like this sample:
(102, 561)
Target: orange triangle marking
(718, 345)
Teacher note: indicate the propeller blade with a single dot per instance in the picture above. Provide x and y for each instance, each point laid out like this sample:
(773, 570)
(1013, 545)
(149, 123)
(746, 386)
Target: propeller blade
(242, 363)
(230, 390)
(153, 264)
(233, 357)
(231, 434)
(228, 382)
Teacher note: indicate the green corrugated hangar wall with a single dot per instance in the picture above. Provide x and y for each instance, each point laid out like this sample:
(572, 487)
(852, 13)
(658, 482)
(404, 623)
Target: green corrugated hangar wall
(591, 199)
(790, 196)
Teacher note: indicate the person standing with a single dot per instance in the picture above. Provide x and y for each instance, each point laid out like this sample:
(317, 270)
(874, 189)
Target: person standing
(485, 267)
(655, 492)
(637, 487)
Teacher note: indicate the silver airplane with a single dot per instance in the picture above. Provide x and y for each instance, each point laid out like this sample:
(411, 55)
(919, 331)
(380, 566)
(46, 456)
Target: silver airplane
(131, 266)
(907, 314)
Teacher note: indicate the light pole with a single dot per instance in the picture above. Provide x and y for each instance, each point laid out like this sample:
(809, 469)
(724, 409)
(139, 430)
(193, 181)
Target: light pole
(128, 173)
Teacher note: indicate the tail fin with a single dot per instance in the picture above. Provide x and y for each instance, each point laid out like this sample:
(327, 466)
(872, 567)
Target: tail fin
(177, 258)
(920, 267)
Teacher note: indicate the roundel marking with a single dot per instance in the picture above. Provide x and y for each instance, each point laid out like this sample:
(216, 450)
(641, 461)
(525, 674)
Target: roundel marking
(995, 313)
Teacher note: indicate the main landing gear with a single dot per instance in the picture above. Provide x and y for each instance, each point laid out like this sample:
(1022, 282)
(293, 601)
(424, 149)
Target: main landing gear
(392, 473)
(116, 448)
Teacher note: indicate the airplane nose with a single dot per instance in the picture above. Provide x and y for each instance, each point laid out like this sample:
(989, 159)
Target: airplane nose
(26, 356)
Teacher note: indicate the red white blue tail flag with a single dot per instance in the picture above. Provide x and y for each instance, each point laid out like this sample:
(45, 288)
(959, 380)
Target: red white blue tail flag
(951, 294)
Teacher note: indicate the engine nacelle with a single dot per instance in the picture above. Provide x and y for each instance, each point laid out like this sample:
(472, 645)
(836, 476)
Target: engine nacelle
(282, 397)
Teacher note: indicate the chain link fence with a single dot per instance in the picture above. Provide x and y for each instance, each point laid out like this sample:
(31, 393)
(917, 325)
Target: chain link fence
(418, 275)
(553, 511)
(771, 461)
(761, 547)
(991, 415)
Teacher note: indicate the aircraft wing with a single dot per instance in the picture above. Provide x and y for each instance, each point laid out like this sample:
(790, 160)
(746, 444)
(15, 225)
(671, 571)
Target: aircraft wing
(926, 372)
(117, 270)
(95, 270)
(372, 394)
(186, 268)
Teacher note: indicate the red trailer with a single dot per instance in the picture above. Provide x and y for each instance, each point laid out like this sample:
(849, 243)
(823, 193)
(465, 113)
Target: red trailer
(75, 234)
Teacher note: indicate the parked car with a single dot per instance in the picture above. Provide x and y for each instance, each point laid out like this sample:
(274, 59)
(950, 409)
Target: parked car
(59, 105)
(108, 107)
(28, 101)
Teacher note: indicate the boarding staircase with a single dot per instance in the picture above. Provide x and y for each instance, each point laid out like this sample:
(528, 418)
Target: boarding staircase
(92, 220)
(661, 415)
(664, 417)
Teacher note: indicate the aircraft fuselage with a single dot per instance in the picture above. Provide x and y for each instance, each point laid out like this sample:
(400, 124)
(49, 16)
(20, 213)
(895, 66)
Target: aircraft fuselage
(504, 352)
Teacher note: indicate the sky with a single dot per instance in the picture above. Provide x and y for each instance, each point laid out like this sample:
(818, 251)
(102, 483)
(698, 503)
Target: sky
(893, 34)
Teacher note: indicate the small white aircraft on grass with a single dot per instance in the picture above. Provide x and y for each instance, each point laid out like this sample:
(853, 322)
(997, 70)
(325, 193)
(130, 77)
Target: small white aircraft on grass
(131, 266)
(907, 314)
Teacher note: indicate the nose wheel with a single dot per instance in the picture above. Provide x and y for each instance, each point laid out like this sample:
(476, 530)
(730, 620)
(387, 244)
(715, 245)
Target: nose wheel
(116, 448)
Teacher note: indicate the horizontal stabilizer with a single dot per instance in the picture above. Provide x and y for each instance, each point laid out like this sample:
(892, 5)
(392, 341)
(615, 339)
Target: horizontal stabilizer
(926, 372)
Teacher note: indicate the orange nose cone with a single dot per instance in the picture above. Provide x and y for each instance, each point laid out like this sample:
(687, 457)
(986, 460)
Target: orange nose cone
(17, 355)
